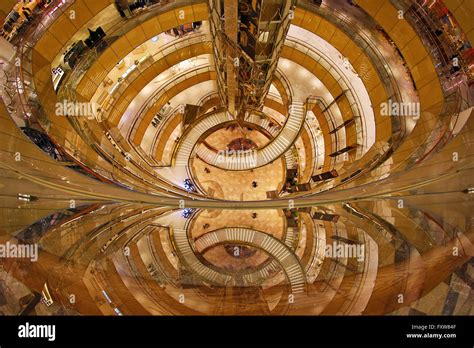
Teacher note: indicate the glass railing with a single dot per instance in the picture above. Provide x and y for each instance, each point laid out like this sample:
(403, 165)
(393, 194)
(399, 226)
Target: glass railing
(171, 82)
(342, 80)
(380, 61)
(161, 127)
(286, 85)
(204, 99)
(431, 33)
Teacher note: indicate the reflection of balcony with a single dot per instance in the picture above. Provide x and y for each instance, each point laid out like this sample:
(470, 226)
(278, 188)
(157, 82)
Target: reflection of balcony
(282, 254)
(430, 31)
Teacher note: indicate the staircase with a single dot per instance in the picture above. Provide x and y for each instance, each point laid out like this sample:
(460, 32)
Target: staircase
(283, 255)
(289, 262)
(291, 235)
(186, 254)
(284, 139)
(191, 137)
(290, 160)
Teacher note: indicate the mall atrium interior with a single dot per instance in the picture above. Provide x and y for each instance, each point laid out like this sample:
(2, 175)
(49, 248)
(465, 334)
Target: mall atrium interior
(236, 157)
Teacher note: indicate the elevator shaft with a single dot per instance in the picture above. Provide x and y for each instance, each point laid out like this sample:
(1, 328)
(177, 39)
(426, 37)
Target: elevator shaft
(248, 36)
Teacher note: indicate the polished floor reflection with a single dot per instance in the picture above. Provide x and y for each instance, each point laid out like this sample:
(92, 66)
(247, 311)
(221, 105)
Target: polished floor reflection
(352, 258)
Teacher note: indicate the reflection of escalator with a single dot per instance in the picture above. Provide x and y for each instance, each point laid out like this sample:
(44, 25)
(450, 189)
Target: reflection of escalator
(43, 141)
(36, 231)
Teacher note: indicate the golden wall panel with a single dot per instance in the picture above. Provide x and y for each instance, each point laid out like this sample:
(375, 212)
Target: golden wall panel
(48, 46)
(325, 30)
(378, 95)
(327, 80)
(424, 72)
(299, 16)
(184, 14)
(430, 95)
(151, 28)
(414, 52)
(463, 15)
(387, 16)
(62, 29)
(97, 5)
(168, 20)
(200, 11)
(136, 36)
(81, 14)
(339, 39)
(140, 82)
(128, 95)
(372, 7)
(108, 60)
(384, 128)
(309, 63)
(351, 51)
(311, 22)
(335, 89)
(121, 47)
(402, 33)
